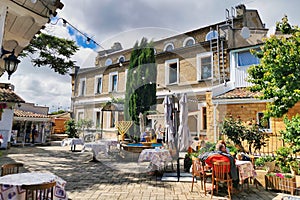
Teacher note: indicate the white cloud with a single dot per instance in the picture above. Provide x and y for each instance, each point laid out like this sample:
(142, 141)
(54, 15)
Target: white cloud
(109, 21)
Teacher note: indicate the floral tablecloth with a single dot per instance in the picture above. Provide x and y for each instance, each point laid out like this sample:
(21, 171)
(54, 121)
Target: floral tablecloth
(246, 170)
(157, 157)
(10, 185)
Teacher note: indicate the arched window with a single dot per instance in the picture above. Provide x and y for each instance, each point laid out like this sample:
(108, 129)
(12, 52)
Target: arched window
(121, 59)
(188, 42)
(108, 62)
(211, 35)
(169, 47)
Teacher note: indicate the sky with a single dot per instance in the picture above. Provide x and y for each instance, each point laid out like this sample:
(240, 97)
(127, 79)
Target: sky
(109, 21)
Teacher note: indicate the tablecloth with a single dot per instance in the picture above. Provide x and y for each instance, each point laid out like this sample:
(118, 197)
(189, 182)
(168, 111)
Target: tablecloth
(157, 157)
(10, 185)
(246, 170)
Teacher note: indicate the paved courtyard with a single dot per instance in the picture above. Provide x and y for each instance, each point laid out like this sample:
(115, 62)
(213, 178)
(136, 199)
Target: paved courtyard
(111, 178)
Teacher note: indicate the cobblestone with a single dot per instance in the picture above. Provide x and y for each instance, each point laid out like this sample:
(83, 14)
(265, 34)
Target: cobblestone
(111, 178)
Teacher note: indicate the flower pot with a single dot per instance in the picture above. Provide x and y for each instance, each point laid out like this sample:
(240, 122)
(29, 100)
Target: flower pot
(282, 183)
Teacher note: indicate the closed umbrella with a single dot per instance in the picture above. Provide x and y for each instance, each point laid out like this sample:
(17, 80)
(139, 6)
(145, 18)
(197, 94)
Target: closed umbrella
(184, 137)
(168, 108)
(142, 123)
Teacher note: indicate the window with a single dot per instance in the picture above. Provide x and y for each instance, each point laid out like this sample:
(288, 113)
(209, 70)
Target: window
(80, 115)
(98, 84)
(121, 59)
(263, 122)
(169, 47)
(98, 119)
(204, 66)
(172, 71)
(113, 82)
(211, 35)
(82, 87)
(108, 62)
(188, 42)
(245, 58)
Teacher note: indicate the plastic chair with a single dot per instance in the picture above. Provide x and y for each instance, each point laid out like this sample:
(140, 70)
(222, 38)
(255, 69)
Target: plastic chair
(198, 169)
(11, 168)
(220, 173)
(44, 191)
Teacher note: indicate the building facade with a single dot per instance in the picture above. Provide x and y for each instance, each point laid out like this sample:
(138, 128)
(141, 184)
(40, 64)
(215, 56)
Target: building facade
(204, 63)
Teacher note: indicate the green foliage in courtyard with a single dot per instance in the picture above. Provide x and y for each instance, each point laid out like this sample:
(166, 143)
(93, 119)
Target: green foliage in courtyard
(277, 77)
(237, 132)
(71, 129)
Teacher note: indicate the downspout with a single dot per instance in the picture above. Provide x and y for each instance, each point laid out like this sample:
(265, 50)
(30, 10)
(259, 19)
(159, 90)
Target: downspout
(215, 122)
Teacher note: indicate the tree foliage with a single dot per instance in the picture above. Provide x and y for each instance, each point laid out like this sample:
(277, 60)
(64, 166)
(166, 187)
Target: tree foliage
(277, 77)
(51, 51)
(237, 131)
(141, 81)
(291, 135)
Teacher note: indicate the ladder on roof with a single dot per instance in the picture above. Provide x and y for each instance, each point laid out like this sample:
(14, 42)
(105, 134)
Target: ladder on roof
(217, 49)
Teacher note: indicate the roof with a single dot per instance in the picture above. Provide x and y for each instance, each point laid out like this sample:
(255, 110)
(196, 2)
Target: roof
(21, 113)
(8, 95)
(238, 93)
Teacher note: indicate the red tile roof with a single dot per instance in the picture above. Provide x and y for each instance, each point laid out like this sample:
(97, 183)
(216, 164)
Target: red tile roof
(21, 113)
(8, 95)
(238, 93)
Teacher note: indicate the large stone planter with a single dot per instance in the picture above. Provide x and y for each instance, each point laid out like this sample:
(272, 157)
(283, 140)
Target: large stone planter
(283, 184)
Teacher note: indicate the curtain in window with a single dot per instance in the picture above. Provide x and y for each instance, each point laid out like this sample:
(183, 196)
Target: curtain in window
(246, 59)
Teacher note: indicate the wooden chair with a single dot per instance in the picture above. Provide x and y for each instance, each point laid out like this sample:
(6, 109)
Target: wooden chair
(220, 173)
(11, 168)
(44, 191)
(198, 169)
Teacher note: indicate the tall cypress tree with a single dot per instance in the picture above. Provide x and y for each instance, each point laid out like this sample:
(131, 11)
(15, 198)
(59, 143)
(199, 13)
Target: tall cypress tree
(140, 94)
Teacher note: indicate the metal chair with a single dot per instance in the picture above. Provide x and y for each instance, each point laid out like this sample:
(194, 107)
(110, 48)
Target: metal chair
(220, 173)
(44, 191)
(11, 168)
(198, 169)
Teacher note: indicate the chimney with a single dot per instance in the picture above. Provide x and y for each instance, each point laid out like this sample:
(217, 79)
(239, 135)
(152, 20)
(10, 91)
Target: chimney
(240, 10)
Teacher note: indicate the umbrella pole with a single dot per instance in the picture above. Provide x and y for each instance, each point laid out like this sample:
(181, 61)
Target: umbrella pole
(175, 121)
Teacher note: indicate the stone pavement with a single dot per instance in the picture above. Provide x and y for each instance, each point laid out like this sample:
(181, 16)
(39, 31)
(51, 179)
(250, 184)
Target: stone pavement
(111, 178)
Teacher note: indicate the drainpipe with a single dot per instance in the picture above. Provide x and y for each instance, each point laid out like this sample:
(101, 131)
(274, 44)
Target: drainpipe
(215, 122)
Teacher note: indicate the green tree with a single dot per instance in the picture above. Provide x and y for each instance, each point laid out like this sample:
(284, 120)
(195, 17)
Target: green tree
(141, 81)
(71, 129)
(277, 77)
(51, 51)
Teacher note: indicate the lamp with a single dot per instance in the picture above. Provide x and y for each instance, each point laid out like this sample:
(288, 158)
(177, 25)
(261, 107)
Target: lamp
(10, 63)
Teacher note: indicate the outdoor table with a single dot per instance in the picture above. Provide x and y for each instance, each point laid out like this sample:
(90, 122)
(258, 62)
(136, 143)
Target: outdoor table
(10, 185)
(157, 157)
(102, 145)
(245, 169)
(73, 142)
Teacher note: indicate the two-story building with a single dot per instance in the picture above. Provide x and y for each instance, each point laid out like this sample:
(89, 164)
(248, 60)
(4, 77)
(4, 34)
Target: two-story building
(204, 63)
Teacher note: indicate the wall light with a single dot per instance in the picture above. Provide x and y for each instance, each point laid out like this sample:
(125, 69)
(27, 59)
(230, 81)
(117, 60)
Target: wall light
(10, 63)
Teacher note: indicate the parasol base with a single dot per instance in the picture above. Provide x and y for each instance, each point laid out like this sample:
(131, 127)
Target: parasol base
(172, 177)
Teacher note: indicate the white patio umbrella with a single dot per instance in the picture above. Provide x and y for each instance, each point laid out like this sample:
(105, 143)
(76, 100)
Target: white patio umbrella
(184, 136)
(168, 120)
(142, 123)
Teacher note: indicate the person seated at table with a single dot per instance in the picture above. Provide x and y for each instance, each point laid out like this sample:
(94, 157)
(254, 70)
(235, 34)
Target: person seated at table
(221, 155)
(226, 148)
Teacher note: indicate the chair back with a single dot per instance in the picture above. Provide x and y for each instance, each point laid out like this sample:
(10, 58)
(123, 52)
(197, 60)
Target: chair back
(221, 170)
(196, 166)
(11, 168)
(44, 191)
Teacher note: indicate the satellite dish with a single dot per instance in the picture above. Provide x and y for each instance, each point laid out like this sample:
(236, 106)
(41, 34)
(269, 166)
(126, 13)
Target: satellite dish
(245, 32)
